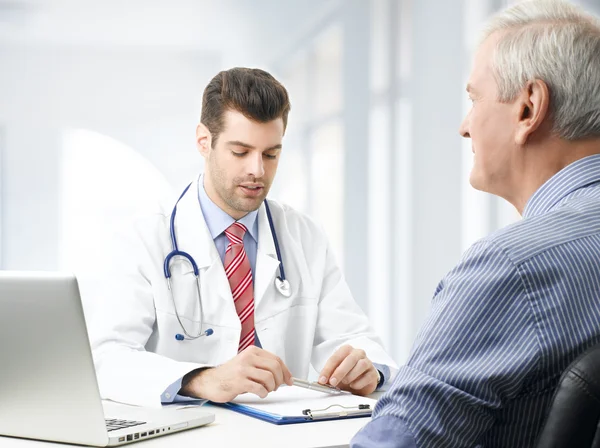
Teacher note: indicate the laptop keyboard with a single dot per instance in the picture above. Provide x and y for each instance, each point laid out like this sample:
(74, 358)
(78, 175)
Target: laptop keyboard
(113, 424)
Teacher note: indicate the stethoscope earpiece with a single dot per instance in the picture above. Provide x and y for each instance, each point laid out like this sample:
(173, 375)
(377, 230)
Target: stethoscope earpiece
(181, 337)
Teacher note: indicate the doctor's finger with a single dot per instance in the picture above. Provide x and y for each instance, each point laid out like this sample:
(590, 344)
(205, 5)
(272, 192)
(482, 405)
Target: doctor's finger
(255, 388)
(343, 369)
(287, 375)
(363, 365)
(333, 362)
(369, 377)
(271, 366)
(263, 377)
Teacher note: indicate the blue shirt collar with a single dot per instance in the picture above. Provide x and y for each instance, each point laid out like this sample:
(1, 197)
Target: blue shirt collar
(578, 174)
(218, 221)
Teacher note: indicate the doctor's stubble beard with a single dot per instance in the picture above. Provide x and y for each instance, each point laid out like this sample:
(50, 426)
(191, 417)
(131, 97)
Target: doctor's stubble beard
(229, 196)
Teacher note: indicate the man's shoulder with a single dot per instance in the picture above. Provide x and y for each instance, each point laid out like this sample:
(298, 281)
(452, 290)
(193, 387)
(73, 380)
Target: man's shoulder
(562, 226)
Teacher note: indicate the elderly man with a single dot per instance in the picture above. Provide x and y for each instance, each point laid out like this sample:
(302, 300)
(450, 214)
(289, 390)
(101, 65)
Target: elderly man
(525, 301)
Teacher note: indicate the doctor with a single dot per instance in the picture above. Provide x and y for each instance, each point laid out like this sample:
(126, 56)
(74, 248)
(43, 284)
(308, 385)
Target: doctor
(228, 292)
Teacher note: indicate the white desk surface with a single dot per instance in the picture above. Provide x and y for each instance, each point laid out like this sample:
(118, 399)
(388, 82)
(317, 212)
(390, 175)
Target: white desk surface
(232, 429)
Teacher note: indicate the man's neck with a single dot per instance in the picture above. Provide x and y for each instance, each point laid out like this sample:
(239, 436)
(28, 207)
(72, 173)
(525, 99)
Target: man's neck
(541, 162)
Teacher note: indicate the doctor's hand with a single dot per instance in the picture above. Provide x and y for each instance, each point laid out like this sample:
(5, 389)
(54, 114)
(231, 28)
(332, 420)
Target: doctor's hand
(254, 370)
(350, 369)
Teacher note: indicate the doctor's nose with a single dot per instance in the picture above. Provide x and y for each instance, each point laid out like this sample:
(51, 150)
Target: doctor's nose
(256, 165)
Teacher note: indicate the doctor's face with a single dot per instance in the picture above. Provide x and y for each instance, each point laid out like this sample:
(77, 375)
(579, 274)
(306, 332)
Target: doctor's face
(241, 165)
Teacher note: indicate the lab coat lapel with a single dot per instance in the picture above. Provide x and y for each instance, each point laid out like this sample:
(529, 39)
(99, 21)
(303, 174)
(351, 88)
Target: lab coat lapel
(266, 257)
(194, 238)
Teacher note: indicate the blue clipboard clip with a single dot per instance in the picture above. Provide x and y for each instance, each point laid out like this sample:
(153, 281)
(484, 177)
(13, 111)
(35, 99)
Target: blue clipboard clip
(362, 410)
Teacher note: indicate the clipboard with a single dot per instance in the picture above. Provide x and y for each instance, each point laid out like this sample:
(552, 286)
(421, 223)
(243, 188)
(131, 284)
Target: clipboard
(291, 404)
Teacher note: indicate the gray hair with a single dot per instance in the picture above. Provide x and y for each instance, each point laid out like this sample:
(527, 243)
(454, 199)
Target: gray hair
(558, 43)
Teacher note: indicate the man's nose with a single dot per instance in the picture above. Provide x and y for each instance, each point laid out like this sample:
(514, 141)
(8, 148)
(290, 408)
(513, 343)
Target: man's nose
(464, 128)
(256, 165)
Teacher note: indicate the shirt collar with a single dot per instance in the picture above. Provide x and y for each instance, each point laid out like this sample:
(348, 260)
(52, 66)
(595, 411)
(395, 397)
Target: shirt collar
(218, 220)
(578, 174)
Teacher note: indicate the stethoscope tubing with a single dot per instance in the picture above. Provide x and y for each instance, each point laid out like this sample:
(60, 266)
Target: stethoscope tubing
(281, 282)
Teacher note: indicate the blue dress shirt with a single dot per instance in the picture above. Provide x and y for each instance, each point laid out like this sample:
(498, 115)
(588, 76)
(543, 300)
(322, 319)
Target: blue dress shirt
(217, 222)
(505, 323)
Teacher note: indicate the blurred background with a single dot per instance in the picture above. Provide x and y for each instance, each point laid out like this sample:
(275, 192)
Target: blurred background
(99, 102)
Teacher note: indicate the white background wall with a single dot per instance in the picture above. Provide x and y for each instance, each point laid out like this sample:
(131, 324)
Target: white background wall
(149, 100)
(372, 150)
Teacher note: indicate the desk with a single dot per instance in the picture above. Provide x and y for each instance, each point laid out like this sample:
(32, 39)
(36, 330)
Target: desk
(232, 429)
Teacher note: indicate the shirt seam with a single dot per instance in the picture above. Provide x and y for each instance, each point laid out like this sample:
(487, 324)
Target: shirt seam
(518, 267)
(568, 176)
(552, 245)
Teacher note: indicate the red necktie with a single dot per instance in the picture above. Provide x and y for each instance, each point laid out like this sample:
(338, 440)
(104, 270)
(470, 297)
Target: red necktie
(239, 274)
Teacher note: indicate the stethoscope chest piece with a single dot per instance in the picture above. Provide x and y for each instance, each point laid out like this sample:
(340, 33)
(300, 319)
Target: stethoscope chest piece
(283, 286)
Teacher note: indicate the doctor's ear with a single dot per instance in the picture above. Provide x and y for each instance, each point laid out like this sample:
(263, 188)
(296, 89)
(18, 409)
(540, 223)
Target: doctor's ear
(203, 139)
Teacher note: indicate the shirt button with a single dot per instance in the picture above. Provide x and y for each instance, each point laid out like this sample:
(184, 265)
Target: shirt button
(167, 395)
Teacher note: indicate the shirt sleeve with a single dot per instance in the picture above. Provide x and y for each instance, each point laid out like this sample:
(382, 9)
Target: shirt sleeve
(384, 371)
(171, 394)
(385, 432)
(469, 360)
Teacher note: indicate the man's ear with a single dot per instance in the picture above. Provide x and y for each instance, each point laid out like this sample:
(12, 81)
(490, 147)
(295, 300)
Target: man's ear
(533, 107)
(203, 139)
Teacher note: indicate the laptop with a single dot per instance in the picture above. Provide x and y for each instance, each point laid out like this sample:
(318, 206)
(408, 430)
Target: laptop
(48, 386)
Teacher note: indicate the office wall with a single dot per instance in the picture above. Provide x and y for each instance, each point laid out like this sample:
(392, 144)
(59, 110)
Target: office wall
(2, 147)
(368, 79)
(372, 151)
(147, 99)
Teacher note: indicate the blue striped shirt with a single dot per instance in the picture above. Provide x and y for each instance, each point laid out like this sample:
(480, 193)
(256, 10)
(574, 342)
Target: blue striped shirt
(520, 305)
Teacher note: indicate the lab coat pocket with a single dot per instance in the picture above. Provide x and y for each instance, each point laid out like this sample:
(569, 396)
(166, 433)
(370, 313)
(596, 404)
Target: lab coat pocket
(290, 333)
(211, 350)
(274, 303)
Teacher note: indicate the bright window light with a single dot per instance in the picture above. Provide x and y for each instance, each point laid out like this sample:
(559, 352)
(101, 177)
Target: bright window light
(104, 183)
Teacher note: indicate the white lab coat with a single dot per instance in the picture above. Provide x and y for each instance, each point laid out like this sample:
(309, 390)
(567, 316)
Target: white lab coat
(133, 324)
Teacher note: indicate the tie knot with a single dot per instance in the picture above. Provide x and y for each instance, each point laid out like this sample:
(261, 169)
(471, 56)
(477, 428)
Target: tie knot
(235, 233)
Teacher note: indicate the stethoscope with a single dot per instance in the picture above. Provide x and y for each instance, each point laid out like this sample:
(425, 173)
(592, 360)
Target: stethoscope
(281, 283)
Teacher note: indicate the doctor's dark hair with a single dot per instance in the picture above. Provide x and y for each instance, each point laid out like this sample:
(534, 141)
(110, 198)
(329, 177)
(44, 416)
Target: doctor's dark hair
(250, 91)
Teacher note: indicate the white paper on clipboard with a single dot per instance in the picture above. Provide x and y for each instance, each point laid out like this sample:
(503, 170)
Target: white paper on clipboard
(291, 401)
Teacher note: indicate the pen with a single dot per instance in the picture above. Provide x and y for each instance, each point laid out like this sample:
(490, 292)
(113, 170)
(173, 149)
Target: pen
(325, 388)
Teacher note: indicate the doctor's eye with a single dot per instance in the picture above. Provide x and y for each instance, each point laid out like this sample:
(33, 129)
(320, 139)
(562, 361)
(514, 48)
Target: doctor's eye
(238, 154)
(270, 156)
